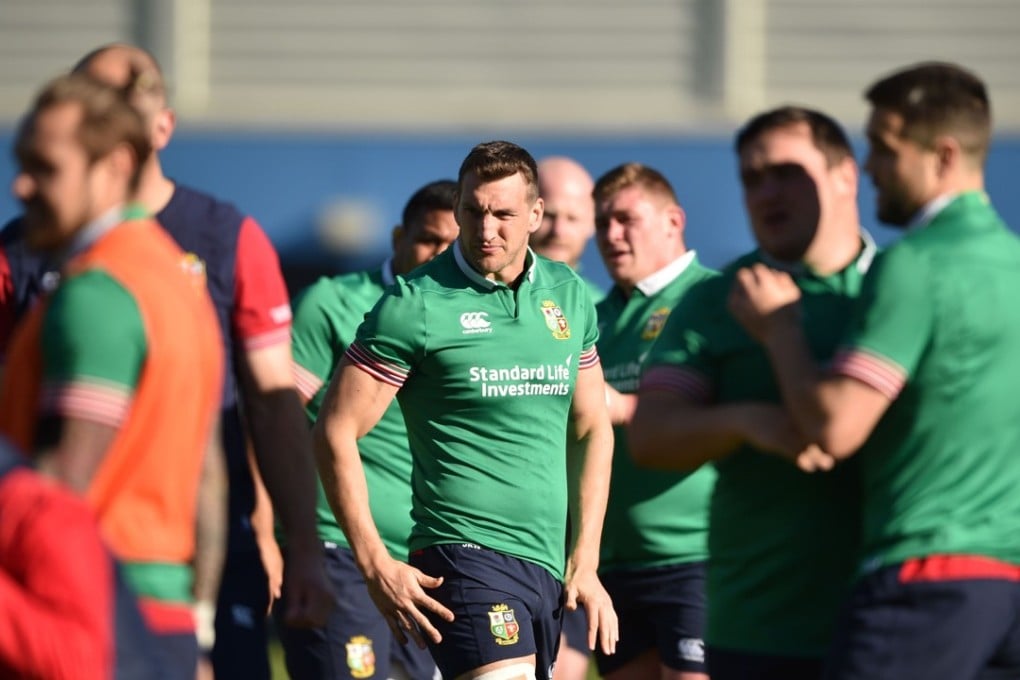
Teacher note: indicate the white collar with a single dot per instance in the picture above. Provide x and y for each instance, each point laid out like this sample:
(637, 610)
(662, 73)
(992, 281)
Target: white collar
(653, 283)
(929, 210)
(529, 267)
(863, 260)
(93, 231)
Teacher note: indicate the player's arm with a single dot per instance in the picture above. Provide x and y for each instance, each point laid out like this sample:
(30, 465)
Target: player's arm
(56, 597)
(837, 412)
(673, 429)
(277, 424)
(589, 464)
(354, 402)
(210, 536)
(94, 346)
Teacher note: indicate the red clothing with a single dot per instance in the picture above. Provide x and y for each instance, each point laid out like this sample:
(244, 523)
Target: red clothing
(56, 584)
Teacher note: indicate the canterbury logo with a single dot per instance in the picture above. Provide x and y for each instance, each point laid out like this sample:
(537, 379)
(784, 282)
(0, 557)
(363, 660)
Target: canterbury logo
(475, 322)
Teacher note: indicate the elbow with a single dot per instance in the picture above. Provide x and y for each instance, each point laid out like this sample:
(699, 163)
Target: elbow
(839, 439)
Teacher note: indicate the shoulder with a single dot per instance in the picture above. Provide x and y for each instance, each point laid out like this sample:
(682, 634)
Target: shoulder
(190, 209)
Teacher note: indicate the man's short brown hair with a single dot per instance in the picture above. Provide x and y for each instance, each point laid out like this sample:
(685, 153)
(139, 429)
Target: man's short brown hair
(938, 98)
(492, 161)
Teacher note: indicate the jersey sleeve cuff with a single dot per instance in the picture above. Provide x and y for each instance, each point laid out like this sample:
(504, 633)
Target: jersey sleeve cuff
(379, 369)
(681, 380)
(271, 338)
(872, 369)
(307, 383)
(589, 358)
(103, 403)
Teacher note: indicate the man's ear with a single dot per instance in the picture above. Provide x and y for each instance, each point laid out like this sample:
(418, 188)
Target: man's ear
(163, 126)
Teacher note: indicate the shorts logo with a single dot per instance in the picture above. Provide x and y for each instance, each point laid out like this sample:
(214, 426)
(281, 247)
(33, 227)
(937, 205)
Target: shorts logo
(360, 657)
(655, 324)
(555, 320)
(692, 649)
(475, 322)
(503, 625)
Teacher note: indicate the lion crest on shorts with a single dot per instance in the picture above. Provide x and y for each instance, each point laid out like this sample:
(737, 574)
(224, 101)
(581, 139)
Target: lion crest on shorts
(360, 657)
(503, 625)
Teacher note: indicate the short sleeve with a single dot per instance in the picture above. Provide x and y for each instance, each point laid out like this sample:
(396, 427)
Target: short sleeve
(392, 339)
(680, 359)
(589, 352)
(94, 348)
(315, 343)
(891, 324)
(261, 314)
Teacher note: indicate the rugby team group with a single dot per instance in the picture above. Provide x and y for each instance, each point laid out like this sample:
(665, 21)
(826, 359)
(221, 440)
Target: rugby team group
(469, 462)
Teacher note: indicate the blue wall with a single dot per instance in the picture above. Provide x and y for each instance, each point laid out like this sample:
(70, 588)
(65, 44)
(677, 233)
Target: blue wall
(286, 180)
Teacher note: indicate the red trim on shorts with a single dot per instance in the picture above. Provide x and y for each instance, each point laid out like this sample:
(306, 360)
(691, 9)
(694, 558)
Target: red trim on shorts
(167, 617)
(957, 568)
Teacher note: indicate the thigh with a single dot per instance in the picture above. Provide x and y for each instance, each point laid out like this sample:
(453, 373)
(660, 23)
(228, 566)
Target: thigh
(504, 609)
(661, 608)
(416, 663)
(925, 629)
(354, 643)
(240, 650)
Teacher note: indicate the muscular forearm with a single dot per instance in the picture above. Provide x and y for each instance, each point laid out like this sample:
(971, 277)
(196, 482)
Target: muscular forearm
(210, 524)
(279, 431)
(343, 479)
(589, 460)
(799, 381)
(667, 434)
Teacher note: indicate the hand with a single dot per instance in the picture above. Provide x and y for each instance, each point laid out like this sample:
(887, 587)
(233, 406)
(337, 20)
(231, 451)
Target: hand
(764, 299)
(309, 594)
(272, 562)
(204, 668)
(398, 590)
(813, 459)
(583, 587)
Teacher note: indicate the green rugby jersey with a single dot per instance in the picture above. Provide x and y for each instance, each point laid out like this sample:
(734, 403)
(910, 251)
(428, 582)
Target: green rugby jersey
(782, 543)
(938, 331)
(654, 518)
(326, 318)
(486, 376)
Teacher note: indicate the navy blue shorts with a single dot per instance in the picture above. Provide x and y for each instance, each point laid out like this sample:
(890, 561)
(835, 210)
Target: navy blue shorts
(356, 642)
(659, 608)
(727, 664)
(176, 654)
(504, 608)
(240, 651)
(575, 629)
(939, 617)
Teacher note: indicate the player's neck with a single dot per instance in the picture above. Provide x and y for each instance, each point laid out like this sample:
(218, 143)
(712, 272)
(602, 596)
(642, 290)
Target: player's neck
(154, 189)
(835, 250)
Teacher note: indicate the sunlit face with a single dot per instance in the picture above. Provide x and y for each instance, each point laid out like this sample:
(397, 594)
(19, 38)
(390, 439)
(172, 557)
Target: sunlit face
(788, 189)
(637, 234)
(904, 173)
(416, 244)
(496, 218)
(59, 188)
(568, 221)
